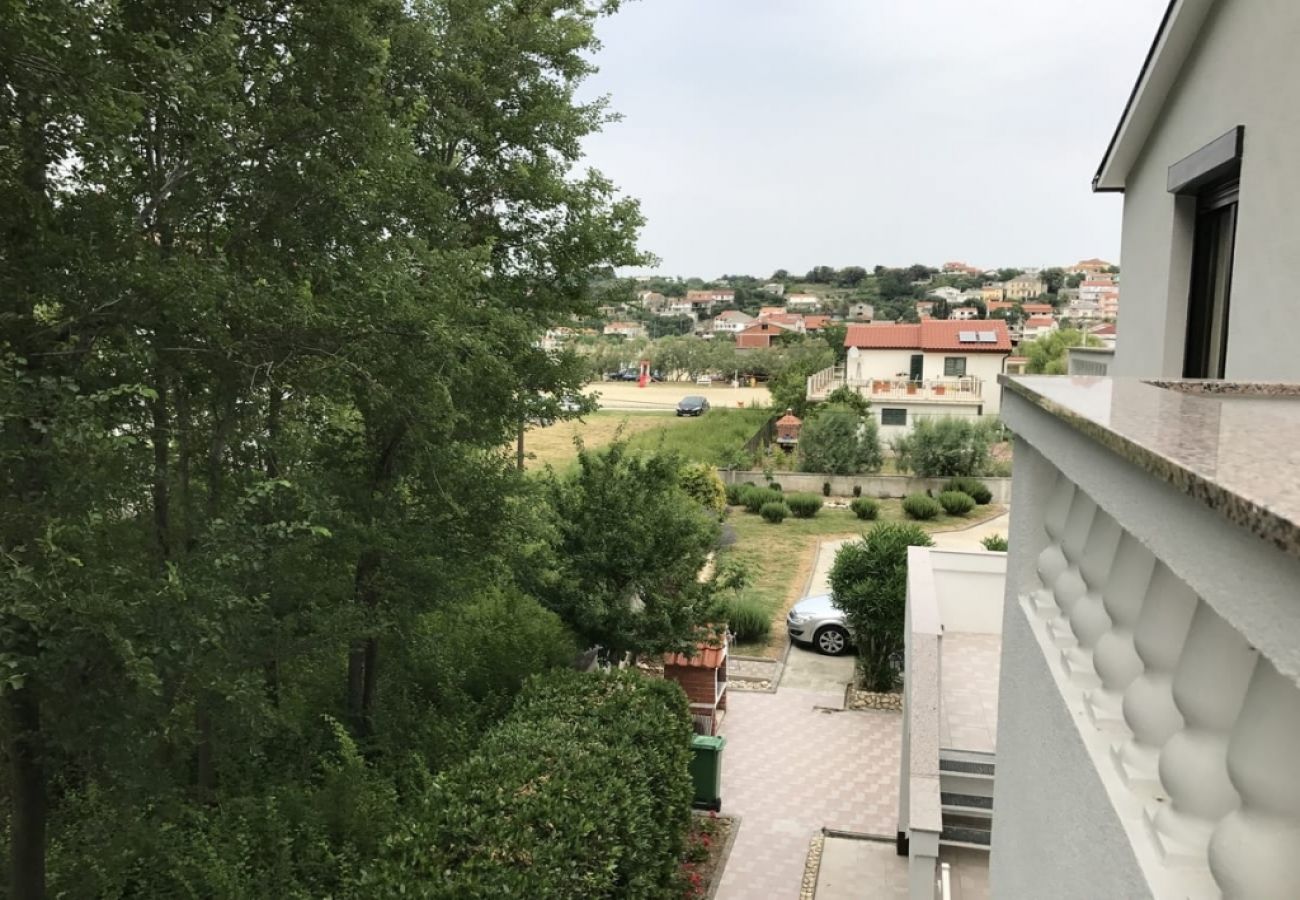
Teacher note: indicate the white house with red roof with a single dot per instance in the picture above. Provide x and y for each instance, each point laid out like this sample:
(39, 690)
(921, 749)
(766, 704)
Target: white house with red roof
(932, 369)
(1035, 327)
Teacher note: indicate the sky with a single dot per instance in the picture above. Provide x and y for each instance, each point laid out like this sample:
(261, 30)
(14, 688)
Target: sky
(766, 134)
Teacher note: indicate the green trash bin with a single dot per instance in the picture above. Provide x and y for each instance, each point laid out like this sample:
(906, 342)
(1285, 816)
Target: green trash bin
(706, 770)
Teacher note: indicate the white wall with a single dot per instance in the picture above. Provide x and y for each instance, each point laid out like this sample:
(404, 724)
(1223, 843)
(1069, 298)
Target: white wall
(1244, 71)
(969, 586)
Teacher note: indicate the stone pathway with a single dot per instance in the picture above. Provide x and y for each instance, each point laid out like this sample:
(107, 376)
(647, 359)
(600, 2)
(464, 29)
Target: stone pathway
(849, 865)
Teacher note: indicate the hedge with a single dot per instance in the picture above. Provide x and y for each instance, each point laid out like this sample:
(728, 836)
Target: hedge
(754, 498)
(804, 506)
(919, 506)
(865, 508)
(955, 503)
(775, 511)
(976, 489)
(736, 492)
(582, 791)
(749, 619)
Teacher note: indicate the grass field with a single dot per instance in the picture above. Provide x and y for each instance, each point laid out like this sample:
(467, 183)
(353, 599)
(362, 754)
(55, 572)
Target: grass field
(705, 439)
(779, 558)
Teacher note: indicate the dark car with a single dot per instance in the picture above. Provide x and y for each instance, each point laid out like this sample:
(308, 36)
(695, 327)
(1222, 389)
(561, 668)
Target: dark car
(693, 405)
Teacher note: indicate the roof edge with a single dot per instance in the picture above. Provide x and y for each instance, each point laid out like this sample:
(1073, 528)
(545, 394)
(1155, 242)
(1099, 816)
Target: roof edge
(1175, 37)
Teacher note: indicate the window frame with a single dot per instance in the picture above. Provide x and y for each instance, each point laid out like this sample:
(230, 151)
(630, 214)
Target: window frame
(948, 364)
(900, 411)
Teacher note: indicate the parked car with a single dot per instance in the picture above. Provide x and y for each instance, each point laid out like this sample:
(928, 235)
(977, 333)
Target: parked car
(815, 620)
(693, 405)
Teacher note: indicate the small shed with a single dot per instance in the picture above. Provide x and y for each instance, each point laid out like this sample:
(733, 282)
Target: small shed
(787, 430)
(703, 676)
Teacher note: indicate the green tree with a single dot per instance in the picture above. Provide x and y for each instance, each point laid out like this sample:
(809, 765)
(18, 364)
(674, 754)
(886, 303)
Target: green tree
(869, 582)
(1049, 354)
(838, 440)
(1054, 278)
(944, 447)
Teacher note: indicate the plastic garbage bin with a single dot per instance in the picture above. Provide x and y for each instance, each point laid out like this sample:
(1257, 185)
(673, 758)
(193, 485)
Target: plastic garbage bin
(706, 770)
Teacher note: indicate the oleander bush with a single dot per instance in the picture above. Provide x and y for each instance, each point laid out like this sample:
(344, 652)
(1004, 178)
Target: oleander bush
(865, 508)
(921, 507)
(775, 511)
(955, 503)
(804, 506)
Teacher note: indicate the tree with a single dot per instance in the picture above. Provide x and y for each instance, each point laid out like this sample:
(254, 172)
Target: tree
(789, 384)
(820, 275)
(1008, 274)
(1054, 278)
(869, 582)
(780, 275)
(838, 440)
(1074, 280)
(1049, 354)
(944, 447)
(850, 276)
(940, 309)
(630, 543)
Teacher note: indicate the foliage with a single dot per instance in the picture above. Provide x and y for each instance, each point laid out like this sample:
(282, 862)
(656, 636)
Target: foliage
(748, 619)
(756, 497)
(789, 387)
(921, 507)
(995, 542)
(943, 447)
(583, 790)
(865, 508)
(838, 441)
(848, 397)
(978, 490)
(735, 493)
(775, 511)
(869, 582)
(804, 506)
(629, 542)
(776, 486)
(714, 439)
(955, 503)
(826, 488)
(1049, 354)
(703, 485)
(857, 490)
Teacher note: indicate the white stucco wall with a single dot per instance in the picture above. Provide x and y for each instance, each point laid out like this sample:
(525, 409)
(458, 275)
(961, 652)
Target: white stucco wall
(864, 365)
(1243, 71)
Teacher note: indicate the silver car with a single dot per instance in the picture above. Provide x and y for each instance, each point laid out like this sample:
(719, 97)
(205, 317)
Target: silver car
(815, 620)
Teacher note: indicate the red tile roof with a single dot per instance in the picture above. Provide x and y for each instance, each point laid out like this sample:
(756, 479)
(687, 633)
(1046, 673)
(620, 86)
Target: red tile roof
(1106, 329)
(1034, 308)
(929, 335)
(812, 323)
(1039, 321)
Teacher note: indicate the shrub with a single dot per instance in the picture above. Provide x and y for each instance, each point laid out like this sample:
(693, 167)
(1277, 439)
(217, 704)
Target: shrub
(776, 486)
(756, 497)
(826, 488)
(857, 490)
(865, 508)
(735, 493)
(919, 506)
(583, 790)
(955, 503)
(943, 447)
(774, 511)
(838, 440)
(995, 542)
(703, 485)
(804, 506)
(973, 487)
(747, 618)
(869, 582)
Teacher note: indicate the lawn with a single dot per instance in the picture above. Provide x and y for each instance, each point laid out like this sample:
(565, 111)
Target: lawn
(706, 438)
(780, 558)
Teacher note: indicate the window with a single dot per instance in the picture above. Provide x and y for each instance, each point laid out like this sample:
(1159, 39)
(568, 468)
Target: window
(893, 417)
(954, 367)
(1207, 305)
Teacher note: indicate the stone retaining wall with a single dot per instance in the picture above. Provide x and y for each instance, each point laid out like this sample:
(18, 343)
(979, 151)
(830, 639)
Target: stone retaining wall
(872, 485)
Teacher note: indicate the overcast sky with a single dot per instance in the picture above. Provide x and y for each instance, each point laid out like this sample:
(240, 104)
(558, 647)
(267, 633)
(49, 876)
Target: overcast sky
(765, 134)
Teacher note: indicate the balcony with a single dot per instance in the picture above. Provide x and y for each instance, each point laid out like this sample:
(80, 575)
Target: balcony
(1149, 708)
(934, 390)
(1090, 360)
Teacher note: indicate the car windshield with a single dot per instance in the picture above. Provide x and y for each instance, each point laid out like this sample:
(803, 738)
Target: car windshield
(692, 401)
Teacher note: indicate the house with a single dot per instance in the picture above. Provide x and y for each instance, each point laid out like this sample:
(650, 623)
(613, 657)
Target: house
(992, 291)
(972, 294)
(555, 338)
(960, 268)
(925, 307)
(651, 301)
(1150, 705)
(705, 300)
(775, 288)
(861, 312)
(1082, 312)
(1037, 309)
(996, 305)
(947, 294)
(935, 368)
(802, 301)
(1106, 333)
(815, 323)
(680, 306)
(626, 329)
(1035, 327)
(1089, 267)
(962, 313)
(790, 321)
(731, 321)
(1024, 287)
(759, 335)
(766, 311)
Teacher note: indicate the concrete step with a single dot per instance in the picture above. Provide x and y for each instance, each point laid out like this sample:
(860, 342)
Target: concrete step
(973, 805)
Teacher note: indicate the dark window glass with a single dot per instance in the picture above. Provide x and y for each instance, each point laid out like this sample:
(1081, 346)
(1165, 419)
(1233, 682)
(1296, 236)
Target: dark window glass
(954, 366)
(1207, 305)
(893, 417)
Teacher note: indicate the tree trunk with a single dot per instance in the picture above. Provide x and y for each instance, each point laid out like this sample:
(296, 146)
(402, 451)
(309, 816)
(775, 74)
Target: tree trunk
(364, 652)
(27, 776)
(160, 435)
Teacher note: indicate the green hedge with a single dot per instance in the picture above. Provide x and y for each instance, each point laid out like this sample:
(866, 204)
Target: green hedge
(955, 503)
(865, 508)
(804, 506)
(754, 498)
(749, 619)
(976, 489)
(775, 511)
(919, 506)
(582, 791)
(736, 493)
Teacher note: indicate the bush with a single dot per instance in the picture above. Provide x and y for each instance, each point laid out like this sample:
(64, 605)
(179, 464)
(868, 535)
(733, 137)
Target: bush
(869, 582)
(973, 487)
(804, 506)
(943, 447)
(865, 508)
(735, 493)
(919, 506)
(995, 542)
(838, 440)
(583, 790)
(702, 483)
(955, 503)
(756, 497)
(857, 490)
(776, 486)
(774, 511)
(747, 618)
(826, 488)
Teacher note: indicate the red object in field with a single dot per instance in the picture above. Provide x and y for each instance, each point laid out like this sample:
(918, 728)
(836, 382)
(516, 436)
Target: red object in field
(644, 378)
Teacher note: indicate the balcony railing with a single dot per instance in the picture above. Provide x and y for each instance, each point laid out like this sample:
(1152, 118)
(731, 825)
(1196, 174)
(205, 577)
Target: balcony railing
(822, 383)
(1152, 641)
(939, 390)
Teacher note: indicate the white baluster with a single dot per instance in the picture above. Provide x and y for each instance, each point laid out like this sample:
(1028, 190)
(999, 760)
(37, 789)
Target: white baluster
(1149, 709)
(1087, 619)
(1255, 848)
(1115, 658)
(1210, 685)
(1051, 561)
(1069, 587)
